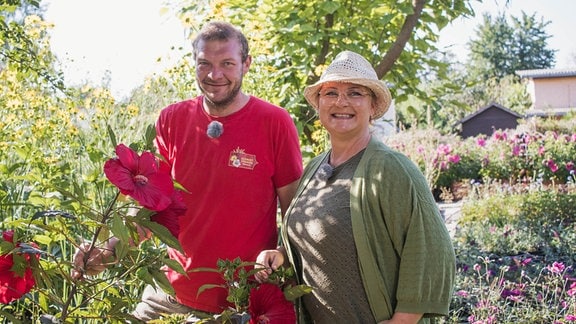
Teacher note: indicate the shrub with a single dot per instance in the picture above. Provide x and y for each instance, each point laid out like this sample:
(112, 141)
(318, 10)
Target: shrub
(511, 156)
(515, 258)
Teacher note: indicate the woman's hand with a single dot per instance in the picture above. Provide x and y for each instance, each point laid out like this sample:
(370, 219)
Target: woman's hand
(269, 261)
(403, 318)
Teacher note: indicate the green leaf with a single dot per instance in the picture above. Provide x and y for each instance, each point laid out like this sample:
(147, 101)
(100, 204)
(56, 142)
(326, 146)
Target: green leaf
(294, 292)
(6, 247)
(149, 136)
(144, 275)
(202, 269)
(208, 286)
(162, 233)
(121, 249)
(162, 280)
(175, 265)
(119, 228)
(43, 239)
(329, 7)
(112, 136)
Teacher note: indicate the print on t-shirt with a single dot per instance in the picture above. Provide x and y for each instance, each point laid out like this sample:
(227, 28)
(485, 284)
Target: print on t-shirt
(240, 159)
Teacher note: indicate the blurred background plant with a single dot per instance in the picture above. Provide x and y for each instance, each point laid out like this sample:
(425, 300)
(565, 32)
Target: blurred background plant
(515, 254)
(520, 156)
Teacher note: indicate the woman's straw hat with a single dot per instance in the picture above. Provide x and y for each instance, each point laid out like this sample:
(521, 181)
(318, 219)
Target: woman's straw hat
(350, 67)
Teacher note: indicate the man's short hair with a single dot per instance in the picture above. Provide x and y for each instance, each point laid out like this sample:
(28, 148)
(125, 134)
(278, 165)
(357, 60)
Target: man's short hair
(221, 31)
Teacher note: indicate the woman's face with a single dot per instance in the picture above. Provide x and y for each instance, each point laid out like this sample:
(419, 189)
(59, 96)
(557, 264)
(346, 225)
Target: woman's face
(345, 108)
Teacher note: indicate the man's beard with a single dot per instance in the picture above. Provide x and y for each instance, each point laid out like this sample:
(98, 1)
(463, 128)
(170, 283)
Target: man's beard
(224, 103)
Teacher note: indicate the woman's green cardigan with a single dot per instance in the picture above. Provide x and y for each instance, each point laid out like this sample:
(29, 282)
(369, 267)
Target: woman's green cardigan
(405, 254)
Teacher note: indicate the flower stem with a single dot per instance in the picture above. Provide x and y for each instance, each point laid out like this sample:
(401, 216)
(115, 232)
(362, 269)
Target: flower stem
(74, 289)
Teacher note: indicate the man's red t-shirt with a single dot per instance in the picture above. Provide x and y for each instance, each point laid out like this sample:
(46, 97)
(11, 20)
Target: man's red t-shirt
(231, 181)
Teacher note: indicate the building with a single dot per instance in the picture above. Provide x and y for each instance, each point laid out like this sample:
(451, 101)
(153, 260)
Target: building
(553, 91)
(488, 119)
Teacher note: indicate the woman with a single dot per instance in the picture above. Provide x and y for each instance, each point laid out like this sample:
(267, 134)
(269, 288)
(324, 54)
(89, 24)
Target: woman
(363, 230)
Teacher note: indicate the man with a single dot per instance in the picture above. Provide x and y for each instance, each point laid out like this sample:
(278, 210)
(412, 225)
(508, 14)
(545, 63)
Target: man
(237, 156)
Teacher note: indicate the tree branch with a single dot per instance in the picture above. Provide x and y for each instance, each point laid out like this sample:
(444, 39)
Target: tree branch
(403, 37)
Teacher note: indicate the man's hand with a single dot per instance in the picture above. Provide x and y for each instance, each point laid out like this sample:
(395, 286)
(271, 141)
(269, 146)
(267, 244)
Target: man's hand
(271, 260)
(90, 261)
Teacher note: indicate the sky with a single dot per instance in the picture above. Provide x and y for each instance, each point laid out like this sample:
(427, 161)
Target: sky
(560, 14)
(125, 38)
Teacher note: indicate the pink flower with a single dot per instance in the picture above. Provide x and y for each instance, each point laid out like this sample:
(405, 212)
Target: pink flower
(572, 291)
(500, 136)
(526, 261)
(444, 149)
(571, 318)
(552, 165)
(462, 293)
(510, 293)
(570, 166)
(443, 165)
(170, 216)
(267, 305)
(454, 158)
(541, 150)
(140, 178)
(481, 141)
(556, 267)
(14, 285)
(516, 150)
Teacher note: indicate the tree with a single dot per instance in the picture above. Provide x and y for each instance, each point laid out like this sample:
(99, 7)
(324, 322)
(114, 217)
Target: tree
(501, 48)
(293, 41)
(21, 48)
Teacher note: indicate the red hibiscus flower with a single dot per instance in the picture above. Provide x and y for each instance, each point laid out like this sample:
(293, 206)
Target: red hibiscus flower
(169, 217)
(267, 305)
(140, 178)
(13, 285)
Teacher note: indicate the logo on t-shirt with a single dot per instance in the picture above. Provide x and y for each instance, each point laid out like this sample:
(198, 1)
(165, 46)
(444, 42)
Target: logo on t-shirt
(240, 159)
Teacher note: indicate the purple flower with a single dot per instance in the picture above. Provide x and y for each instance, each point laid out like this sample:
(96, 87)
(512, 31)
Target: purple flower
(508, 293)
(526, 261)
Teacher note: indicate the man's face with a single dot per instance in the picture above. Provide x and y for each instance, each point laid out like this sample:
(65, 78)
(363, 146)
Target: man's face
(219, 71)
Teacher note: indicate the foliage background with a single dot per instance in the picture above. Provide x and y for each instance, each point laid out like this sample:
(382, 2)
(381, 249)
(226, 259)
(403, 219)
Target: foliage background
(55, 139)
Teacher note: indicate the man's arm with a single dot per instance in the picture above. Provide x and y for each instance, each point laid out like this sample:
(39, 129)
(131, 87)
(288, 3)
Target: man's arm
(285, 195)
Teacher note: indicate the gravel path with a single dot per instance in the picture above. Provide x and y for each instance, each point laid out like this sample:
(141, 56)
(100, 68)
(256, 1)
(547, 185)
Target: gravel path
(451, 214)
